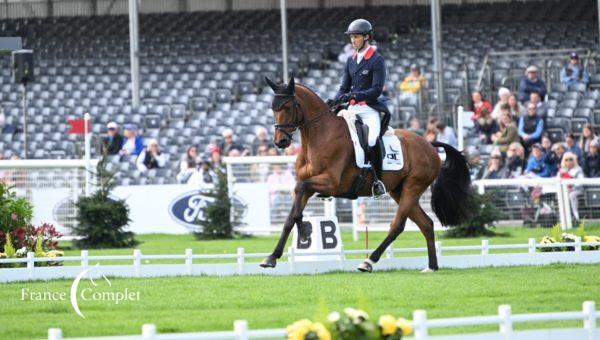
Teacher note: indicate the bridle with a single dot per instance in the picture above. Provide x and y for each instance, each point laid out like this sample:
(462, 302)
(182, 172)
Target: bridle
(298, 120)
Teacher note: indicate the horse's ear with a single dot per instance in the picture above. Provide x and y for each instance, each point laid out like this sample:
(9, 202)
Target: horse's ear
(272, 84)
(291, 89)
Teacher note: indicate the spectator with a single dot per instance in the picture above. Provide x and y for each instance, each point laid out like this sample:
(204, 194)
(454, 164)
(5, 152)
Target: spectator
(414, 125)
(591, 166)
(215, 156)
(132, 144)
(234, 153)
(572, 146)
(272, 152)
(531, 83)
(346, 53)
(535, 98)
(261, 170)
(531, 126)
(112, 144)
(486, 126)
(574, 72)
(536, 165)
(503, 95)
(495, 169)
(280, 183)
(476, 169)
(291, 150)
(187, 165)
(445, 134)
(569, 168)
(515, 162)
(517, 109)
(229, 144)
(151, 157)
(549, 155)
(587, 136)
(261, 139)
(508, 133)
(411, 86)
(479, 104)
(554, 159)
(204, 177)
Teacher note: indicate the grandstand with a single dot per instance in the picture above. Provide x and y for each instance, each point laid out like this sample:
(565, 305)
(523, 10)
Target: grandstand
(203, 71)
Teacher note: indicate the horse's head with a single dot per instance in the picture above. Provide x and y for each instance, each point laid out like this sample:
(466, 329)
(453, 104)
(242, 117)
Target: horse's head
(286, 109)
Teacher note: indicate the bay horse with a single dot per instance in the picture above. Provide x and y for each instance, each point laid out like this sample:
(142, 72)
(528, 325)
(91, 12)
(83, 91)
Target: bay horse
(326, 165)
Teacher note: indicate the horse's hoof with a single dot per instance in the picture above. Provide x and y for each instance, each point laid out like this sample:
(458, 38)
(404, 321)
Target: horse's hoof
(428, 270)
(269, 262)
(304, 231)
(365, 267)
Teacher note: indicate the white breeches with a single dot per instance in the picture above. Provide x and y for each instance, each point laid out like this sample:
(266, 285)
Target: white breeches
(370, 117)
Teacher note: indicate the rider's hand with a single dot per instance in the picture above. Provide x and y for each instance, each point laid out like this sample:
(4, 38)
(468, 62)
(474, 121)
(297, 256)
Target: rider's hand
(346, 97)
(331, 102)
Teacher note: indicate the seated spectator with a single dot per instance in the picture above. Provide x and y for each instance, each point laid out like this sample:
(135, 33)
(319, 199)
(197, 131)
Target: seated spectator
(536, 165)
(291, 150)
(554, 159)
(229, 144)
(587, 136)
(414, 125)
(132, 143)
(479, 104)
(531, 126)
(234, 153)
(550, 156)
(272, 152)
(531, 83)
(535, 98)
(517, 110)
(476, 169)
(445, 134)
(346, 53)
(515, 162)
(574, 72)
(572, 146)
(495, 168)
(280, 182)
(503, 95)
(112, 144)
(187, 165)
(261, 139)
(486, 126)
(591, 167)
(411, 86)
(569, 168)
(215, 156)
(204, 176)
(261, 171)
(151, 157)
(508, 133)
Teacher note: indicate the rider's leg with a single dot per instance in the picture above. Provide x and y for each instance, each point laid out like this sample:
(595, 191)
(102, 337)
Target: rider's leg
(373, 120)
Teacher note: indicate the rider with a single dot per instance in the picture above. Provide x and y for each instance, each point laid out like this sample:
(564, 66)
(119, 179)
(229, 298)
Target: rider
(362, 84)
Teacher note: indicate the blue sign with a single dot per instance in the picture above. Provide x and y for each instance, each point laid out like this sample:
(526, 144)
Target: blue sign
(187, 209)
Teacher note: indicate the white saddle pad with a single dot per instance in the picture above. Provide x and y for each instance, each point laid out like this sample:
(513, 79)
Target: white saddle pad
(394, 160)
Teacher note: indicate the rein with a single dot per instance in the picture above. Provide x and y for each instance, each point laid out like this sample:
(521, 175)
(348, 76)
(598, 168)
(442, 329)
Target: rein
(295, 106)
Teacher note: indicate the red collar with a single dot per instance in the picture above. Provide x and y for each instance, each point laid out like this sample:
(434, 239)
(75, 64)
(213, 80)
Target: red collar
(368, 54)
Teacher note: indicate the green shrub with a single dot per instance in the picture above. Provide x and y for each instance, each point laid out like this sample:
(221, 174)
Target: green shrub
(14, 211)
(484, 217)
(220, 219)
(102, 219)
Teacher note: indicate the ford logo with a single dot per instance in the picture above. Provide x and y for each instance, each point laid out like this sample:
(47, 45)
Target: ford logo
(187, 209)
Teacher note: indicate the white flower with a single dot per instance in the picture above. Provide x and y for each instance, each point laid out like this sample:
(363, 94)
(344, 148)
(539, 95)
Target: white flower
(349, 312)
(21, 251)
(359, 316)
(333, 317)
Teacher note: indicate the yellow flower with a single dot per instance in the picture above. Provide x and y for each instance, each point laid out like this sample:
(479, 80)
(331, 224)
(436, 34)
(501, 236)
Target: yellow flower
(3, 256)
(321, 331)
(388, 325)
(55, 253)
(299, 329)
(405, 326)
(591, 238)
(548, 239)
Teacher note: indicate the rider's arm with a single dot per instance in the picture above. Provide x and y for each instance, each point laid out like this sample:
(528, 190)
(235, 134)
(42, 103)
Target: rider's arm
(371, 94)
(346, 82)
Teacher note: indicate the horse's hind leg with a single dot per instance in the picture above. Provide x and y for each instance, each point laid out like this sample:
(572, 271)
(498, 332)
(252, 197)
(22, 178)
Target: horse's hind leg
(405, 201)
(426, 225)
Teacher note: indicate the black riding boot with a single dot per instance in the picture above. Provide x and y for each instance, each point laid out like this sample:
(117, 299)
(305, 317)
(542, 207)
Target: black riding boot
(378, 188)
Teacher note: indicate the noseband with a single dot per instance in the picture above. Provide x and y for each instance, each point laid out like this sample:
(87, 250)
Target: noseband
(278, 103)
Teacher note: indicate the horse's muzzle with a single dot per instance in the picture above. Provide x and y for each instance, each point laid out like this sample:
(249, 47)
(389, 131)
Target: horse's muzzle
(283, 143)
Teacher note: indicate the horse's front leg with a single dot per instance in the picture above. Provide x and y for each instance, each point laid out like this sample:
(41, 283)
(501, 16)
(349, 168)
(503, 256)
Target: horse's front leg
(301, 195)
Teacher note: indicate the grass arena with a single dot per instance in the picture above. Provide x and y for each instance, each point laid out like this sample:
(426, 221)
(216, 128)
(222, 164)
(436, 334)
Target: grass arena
(300, 170)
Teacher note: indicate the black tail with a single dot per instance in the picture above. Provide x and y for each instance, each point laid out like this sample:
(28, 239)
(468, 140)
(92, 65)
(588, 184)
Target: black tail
(451, 197)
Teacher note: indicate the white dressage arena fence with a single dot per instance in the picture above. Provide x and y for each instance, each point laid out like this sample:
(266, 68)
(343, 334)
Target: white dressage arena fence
(242, 263)
(505, 321)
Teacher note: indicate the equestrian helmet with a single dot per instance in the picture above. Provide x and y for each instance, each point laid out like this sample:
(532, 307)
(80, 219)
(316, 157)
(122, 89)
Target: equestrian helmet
(360, 26)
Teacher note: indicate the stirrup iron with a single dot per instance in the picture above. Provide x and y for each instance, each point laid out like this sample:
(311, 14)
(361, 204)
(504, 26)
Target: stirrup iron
(378, 182)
